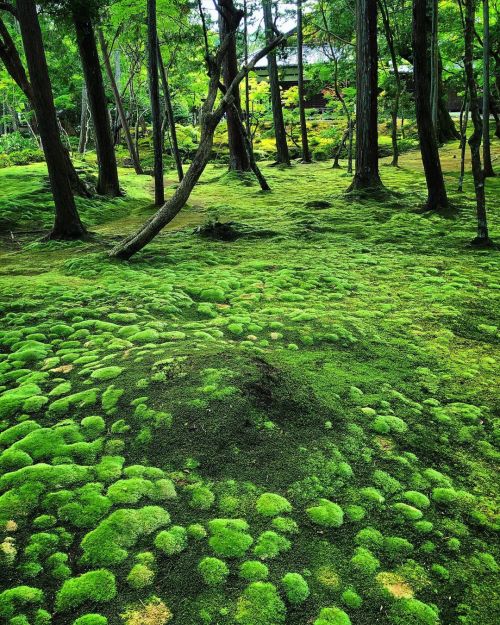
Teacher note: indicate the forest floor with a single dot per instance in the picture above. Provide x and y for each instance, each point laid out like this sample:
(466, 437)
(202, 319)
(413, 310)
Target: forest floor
(341, 356)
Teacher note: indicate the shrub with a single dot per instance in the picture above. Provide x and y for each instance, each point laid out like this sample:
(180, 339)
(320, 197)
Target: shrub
(202, 498)
(106, 373)
(397, 548)
(13, 599)
(270, 544)
(413, 612)
(96, 586)
(213, 571)
(93, 427)
(140, 576)
(296, 588)
(253, 571)
(196, 531)
(326, 514)
(364, 561)
(285, 525)
(42, 617)
(172, 541)
(129, 491)
(260, 604)
(229, 537)
(332, 616)
(110, 468)
(369, 537)
(419, 500)
(270, 504)
(91, 619)
(13, 459)
(408, 512)
(107, 544)
(351, 599)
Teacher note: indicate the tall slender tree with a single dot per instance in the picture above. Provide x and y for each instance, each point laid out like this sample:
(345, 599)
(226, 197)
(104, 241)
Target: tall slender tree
(306, 155)
(238, 157)
(67, 224)
(154, 95)
(487, 164)
(282, 154)
(367, 175)
(482, 238)
(107, 183)
(437, 198)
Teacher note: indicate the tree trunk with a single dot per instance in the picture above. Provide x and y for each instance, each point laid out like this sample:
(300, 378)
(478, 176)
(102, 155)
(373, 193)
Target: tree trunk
(487, 164)
(482, 238)
(367, 175)
(434, 65)
(247, 81)
(67, 224)
(238, 157)
(446, 129)
(282, 155)
(119, 105)
(395, 104)
(336, 164)
(437, 198)
(464, 119)
(154, 94)
(84, 125)
(306, 155)
(107, 183)
(170, 117)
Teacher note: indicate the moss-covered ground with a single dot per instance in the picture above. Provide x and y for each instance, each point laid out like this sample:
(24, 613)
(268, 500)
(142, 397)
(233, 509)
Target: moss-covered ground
(295, 426)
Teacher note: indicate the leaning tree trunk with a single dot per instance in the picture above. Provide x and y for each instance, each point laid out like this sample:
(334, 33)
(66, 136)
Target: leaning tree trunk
(482, 238)
(67, 224)
(170, 116)
(282, 155)
(367, 175)
(306, 155)
(134, 157)
(487, 164)
(238, 157)
(107, 183)
(154, 95)
(437, 199)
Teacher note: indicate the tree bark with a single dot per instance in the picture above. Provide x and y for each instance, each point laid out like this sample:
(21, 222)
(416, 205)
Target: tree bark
(437, 199)
(154, 95)
(464, 119)
(367, 175)
(475, 138)
(119, 105)
(306, 155)
(84, 123)
(170, 117)
(238, 157)
(487, 164)
(107, 183)
(446, 129)
(397, 96)
(67, 224)
(282, 155)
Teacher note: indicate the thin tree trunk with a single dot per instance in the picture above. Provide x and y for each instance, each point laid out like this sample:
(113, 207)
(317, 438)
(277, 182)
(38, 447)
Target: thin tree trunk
(107, 183)
(367, 175)
(170, 117)
(282, 154)
(434, 69)
(464, 119)
(395, 104)
(119, 105)
(247, 80)
(82, 144)
(487, 164)
(154, 94)
(67, 224)
(482, 238)
(446, 129)
(336, 164)
(437, 198)
(238, 156)
(306, 155)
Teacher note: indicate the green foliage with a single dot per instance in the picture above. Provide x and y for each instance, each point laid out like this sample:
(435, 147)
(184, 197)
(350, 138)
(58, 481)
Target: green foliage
(229, 537)
(172, 541)
(254, 571)
(213, 571)
(326, 514)
(413, 612)
(271, 504)
(332, 616)
(91, 619)
(351, 599)
(202, 498)
(97, 586)
(16, 598)
(270, 544)
(260, 604)
(296, 588)
(140, 576)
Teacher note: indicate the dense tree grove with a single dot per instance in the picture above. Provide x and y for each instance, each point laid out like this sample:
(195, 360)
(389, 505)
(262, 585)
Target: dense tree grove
(249, 296)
